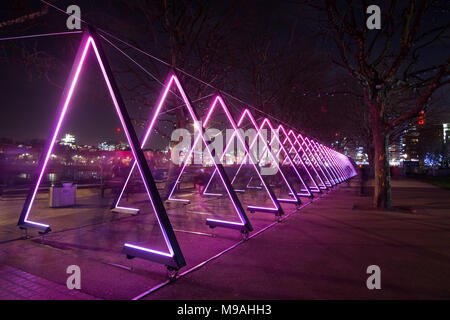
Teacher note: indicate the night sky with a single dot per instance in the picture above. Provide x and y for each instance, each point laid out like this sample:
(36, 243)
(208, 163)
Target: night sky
(33, 110)
(29, 102)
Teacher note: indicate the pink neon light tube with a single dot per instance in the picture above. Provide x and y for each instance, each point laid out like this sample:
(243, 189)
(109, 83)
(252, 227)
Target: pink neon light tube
(247, 113)
(275, 136)
(281, 128)
(56, 132)
(116, 105)
(90, 41)
(219, 100)
(186, 159)
(327, 165)
(334, 165)
(310, 159)
(310, 156)
(144, 140)
(335, 161)
(343, 160)
(314, 155)
(247, 150)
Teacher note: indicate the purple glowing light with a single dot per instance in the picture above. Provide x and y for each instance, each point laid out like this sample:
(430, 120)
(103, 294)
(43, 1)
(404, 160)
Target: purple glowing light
(314, 155)
(311, 159)
(237, 133)
(174, 79)
(56, 132)
(219, 101)
(336, 163)
(326, 165)
(116, 105)
(275, 137)
(90, 41)
(333, 163)
(281, 128)
(247, 113)
(144, 141)
(266, 145)
(343, 161)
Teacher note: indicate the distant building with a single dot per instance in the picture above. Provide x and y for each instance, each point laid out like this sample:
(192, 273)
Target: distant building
(361, 156)
(410, 144)
(395, 151)
(68, 140)
(105, 146)
(425, 143)
(112, 146)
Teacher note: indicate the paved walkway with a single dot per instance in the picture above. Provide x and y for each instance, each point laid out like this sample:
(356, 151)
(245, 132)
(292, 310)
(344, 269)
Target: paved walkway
(16, 284)
(320, 252)
(323, 252)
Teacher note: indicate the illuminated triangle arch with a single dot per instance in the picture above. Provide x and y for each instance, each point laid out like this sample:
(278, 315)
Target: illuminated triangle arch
(328, 161)
(268, 151)
(236, 133)
(244, 225)
(174, 258)
(223, 175)
(246, 114)
(319, 155)
(288, 150)
(301, 151)
(308, 153)
(306, 191)
(335, 157)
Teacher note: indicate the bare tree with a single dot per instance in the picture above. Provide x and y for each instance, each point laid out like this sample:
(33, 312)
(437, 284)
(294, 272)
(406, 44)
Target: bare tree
(389, 64)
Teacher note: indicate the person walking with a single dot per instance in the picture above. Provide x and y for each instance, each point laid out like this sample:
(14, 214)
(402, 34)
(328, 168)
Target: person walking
(363, 176)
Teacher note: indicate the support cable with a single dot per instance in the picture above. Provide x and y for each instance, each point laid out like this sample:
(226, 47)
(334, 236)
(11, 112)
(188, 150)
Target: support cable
(40, 35)
(176, 68)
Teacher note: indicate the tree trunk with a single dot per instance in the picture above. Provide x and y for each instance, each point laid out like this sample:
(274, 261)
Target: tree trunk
(382, 198)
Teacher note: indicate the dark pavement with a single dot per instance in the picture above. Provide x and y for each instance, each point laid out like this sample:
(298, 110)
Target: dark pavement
(323, 252)
(16, 284)
(319, 252)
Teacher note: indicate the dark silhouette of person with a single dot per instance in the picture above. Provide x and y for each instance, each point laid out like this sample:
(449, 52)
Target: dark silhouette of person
(200, 181)
(363, 176)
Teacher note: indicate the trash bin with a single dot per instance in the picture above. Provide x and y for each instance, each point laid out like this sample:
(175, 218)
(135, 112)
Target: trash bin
(62, 195)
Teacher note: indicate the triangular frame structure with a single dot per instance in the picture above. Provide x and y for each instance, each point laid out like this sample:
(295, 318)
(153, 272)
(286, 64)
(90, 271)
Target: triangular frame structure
(330, 162)
(316, 188)
(218, 100)
(334, 164)
(288, 156)
(301, 151)
(171, 79)
(237, 133)
(332, 179)
(245, 225)
(174, 259)
(292, 192)
(346, 163)
(313, 157)
(295, 198)
(337, 161)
